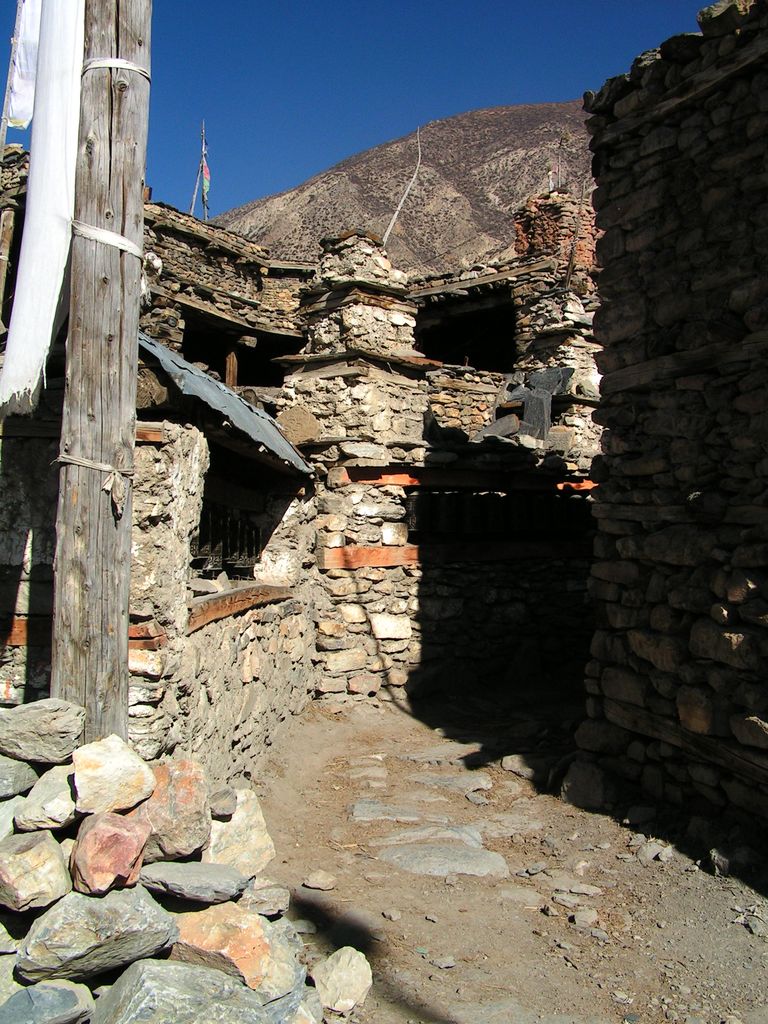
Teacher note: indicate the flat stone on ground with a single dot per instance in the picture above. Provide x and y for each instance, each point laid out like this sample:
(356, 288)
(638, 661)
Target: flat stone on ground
(109, 776)
(376, 810)
(51, 802)
(203, 883)
(177, 812)
(343, 979)
(86, 935)
(467, 782)
(242, 842)
(164, 992)
(15, 777)
(223, 803)
(320, 879)
(438, 859)
(50, 1002)
(45, 731)
(432, 833)
(33, 872)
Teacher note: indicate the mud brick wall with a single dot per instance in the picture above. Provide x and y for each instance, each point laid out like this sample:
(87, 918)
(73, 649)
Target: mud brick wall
(679, 683)
(224, 692)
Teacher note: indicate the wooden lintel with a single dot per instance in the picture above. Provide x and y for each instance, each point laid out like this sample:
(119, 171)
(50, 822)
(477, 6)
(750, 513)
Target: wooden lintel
(210, 608)
(22, 426)
(359, 557)
(708, 357)
(148, 643)
(749, 764)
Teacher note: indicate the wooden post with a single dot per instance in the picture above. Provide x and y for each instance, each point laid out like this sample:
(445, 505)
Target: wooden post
(230, 368)
(93, 535)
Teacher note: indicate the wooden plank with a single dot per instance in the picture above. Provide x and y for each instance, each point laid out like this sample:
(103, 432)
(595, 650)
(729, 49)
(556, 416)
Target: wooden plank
(7, 220)
(93, 549)
(144, 630)
(505, 275)
(747, 764)
(24, 426)
(25, 631)
(210, 608)
(359, 557)
(151, 433)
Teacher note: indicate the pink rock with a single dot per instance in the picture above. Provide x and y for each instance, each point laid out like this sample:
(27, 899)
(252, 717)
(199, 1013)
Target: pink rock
(177, 813)
(108, 853)
(225, 938)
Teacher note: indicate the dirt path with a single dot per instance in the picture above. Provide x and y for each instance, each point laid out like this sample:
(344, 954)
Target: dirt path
(580, 920)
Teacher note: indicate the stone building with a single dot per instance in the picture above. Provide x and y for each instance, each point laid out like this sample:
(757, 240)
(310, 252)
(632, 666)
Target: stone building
(421, 525)
(677, 685)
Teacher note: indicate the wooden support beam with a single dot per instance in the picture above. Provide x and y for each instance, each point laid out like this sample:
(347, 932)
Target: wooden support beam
(7, 219)
(210, 608)
(230, 368)
(359, 557)
(93, 528)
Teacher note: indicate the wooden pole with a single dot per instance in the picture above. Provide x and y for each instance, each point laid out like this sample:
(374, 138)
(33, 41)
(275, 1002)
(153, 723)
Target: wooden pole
(93, 529)
(7, 98)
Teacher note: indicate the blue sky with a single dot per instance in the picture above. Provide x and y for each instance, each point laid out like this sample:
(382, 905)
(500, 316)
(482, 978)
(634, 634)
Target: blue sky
(289, 89)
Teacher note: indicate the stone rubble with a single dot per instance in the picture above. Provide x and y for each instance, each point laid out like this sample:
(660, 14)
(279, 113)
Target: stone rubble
(201, 901)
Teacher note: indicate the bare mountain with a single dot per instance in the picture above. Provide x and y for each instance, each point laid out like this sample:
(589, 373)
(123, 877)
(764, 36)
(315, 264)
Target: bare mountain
(477, 168)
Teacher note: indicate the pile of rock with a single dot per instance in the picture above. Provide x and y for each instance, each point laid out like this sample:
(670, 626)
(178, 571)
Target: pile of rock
(135, 894)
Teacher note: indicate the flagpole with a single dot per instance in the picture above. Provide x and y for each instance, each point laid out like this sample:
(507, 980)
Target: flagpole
(204, 168)
(7, 99)
(197, 185)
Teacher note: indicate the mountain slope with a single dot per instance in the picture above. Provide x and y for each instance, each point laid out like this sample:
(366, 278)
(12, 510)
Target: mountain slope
(477, 168)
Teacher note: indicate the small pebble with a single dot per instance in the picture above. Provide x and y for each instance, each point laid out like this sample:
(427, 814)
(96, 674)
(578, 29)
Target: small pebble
(391, 915)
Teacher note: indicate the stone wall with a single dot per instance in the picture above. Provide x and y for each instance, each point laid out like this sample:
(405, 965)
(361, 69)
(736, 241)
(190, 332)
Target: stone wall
(463, 398)
(224, 691)
(371, 405)
(678, 682)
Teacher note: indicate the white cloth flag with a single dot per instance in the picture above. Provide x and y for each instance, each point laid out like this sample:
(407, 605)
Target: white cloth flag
(22, 99)
(50, 203)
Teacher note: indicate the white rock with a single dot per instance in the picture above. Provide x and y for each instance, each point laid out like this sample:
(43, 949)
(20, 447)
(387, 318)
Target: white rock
(32, 871)
(243, 841)
(109, 776)
(343, 979)
(390, 627)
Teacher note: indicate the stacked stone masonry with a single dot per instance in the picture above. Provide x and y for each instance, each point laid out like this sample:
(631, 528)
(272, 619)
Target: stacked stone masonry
(678, 677)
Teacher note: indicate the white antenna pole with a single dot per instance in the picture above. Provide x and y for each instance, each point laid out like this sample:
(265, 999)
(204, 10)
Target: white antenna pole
(410, 185)
(7, 100)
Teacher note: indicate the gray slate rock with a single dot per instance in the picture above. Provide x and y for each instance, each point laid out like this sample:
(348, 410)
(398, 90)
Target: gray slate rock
(165, 992)
(433, 833)
(45, 731)
(203, 883)
(8, 809)
(375, 810)
(85, 935)
(467, 782)
(440, 860)
(265, 897)
(50, 1002)
(223, 803)
(283, 986)
(15, 777)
